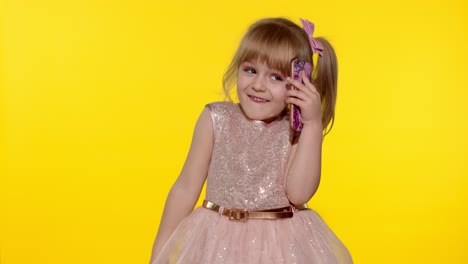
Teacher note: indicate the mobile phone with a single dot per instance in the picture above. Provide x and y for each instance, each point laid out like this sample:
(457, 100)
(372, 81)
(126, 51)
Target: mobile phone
(297, 66)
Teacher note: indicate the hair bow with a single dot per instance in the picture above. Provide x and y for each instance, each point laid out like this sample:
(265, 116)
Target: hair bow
(308, 27)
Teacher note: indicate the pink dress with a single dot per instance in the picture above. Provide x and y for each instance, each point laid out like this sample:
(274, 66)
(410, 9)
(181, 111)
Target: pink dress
(247, 172)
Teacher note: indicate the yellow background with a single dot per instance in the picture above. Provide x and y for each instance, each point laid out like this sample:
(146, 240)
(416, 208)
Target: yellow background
(99, 100)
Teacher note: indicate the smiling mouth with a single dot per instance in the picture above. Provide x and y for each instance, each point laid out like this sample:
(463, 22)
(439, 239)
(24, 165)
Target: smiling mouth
(258, 99)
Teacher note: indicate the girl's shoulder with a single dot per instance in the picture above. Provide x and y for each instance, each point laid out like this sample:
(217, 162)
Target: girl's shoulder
(224, 113)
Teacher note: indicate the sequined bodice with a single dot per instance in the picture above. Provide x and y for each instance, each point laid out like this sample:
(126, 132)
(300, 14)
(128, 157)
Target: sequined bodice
(249, 160)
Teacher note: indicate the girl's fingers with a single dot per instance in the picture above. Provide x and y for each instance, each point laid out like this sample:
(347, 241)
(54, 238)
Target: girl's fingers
(294, 83)
(307, 82)
(295, 101)
(297, 94)
(305, 95)
(305, 78)
(307, 86)
(301, 89)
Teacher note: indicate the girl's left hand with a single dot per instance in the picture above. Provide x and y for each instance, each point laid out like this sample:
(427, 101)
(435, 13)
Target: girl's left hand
(307, 98)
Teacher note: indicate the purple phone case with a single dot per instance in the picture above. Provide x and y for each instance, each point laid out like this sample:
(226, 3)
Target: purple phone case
(296, 67)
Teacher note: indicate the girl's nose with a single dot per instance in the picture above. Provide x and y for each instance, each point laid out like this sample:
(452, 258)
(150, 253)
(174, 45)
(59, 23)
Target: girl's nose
(259, 85)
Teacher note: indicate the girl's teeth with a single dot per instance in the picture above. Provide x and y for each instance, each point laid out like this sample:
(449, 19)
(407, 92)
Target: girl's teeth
(256, 99)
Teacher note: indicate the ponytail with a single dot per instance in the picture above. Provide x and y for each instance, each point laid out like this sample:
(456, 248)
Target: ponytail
(325, 80)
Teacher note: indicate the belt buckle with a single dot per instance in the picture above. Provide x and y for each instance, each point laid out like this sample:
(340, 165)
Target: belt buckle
(238, 215)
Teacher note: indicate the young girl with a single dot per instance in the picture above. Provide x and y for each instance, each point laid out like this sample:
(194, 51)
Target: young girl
(260, 173)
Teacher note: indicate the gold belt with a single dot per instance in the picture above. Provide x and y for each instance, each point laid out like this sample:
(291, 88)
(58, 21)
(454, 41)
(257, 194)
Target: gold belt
(242, 215)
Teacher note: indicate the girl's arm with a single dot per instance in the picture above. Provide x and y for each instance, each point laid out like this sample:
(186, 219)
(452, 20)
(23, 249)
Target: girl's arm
(186, 190)
(304, 164)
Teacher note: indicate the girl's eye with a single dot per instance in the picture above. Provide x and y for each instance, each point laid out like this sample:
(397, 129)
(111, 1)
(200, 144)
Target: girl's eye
(249, 70)
(276, 77)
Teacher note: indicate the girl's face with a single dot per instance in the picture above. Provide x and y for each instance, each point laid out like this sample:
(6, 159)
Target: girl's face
(261, 91)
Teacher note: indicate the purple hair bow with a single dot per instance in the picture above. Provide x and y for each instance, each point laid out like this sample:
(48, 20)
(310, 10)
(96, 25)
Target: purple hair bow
(308, 26)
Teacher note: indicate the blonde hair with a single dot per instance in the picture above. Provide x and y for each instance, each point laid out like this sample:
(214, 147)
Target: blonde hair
(276, 41)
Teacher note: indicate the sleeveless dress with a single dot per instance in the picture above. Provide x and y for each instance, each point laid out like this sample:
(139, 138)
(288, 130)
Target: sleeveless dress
(247, 172)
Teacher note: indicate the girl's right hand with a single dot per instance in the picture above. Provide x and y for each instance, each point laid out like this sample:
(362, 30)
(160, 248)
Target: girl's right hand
(307, 98)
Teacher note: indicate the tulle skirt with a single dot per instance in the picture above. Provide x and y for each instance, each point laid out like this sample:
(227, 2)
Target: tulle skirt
(208, 237)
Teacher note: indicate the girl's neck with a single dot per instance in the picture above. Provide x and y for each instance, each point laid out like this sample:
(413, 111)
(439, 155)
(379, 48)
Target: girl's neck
(268, 121)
